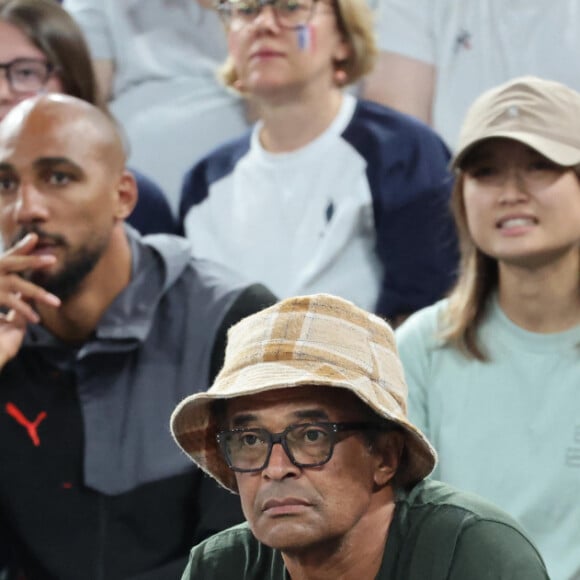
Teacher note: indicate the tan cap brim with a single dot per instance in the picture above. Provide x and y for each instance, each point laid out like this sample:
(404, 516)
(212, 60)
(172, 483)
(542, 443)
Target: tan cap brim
(555, 151)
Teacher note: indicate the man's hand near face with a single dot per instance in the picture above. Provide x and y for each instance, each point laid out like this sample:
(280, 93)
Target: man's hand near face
(17, 295)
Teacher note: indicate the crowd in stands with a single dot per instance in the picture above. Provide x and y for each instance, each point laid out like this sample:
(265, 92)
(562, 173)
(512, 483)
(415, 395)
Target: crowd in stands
(438, 56)
(419, 159)
(155, 63)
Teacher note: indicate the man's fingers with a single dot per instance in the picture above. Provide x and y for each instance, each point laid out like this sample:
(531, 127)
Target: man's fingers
(17, 294)
(10, 316)
(17, 306)
(18, 258)
(29, 292)
(14, 318)
(14, 290)
(21, 310)
(24, 245)
(12, 263)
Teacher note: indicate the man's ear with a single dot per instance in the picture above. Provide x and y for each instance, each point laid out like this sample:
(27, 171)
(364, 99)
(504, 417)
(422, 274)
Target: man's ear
(388, 449)
(126, 195)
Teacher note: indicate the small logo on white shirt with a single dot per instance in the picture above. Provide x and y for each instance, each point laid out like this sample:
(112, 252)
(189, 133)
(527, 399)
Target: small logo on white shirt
(329, 211)
(462, 41)
(328, 214)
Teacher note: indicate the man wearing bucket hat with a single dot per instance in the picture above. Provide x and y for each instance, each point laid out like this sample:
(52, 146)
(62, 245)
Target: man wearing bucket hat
(307, 422)
(494, 370)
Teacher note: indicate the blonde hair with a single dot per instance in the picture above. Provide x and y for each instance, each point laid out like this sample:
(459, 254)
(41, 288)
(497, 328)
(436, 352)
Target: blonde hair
(355, 23)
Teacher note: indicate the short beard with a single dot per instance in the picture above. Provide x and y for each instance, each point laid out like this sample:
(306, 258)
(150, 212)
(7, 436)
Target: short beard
(75, 269)
(67, 282)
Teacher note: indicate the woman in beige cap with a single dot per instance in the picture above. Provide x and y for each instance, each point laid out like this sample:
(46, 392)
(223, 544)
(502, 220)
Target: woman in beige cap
(494, 371)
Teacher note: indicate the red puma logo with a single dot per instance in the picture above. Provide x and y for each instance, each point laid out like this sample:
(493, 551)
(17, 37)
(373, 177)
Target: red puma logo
(30, 426)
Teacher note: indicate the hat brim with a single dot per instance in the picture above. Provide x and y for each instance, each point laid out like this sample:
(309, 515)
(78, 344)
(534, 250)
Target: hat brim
(555, 151)
(195, 426)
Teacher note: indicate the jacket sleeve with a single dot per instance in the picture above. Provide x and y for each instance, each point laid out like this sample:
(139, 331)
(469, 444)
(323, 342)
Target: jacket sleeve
(416, 244)
(410, 185)
(415, 233)
(152, 214)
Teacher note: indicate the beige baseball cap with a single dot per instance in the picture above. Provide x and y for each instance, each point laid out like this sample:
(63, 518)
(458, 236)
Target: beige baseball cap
(543, 114)
(318, 341)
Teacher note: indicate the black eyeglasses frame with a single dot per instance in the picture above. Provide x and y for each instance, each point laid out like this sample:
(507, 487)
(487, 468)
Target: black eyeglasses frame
(225, 12)
(272, 438)
(8, 67)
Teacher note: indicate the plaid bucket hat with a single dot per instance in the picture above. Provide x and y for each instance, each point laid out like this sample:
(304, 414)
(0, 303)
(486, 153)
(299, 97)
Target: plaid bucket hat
(318, 340)
(543, 114)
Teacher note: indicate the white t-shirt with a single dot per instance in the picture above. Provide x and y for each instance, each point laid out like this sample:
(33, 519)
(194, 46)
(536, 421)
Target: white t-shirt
(507, 429)
(165, 93)
(478, 44)
(327, 252)
(361, 211)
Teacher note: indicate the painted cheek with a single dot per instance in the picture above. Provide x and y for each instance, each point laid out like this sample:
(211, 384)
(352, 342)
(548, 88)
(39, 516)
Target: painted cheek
(306, 38)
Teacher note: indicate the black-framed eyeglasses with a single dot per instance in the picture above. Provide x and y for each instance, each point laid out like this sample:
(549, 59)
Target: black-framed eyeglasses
(288, 13)
(27, 75)
(306, 444)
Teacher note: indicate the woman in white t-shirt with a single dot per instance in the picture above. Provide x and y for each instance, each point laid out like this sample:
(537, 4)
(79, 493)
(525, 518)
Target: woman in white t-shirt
(327, 193)
(494, 370)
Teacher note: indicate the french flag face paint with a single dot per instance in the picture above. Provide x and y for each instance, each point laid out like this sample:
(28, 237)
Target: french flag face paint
(306, 37)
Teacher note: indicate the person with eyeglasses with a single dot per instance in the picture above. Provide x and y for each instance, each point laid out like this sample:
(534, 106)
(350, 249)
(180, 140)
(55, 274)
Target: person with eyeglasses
(494, 369)
(27, 76)
(42, 50)
(307, 422)
(326, 192)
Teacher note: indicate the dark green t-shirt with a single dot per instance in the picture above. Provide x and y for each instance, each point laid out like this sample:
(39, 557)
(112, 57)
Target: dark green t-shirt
(437, 533)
